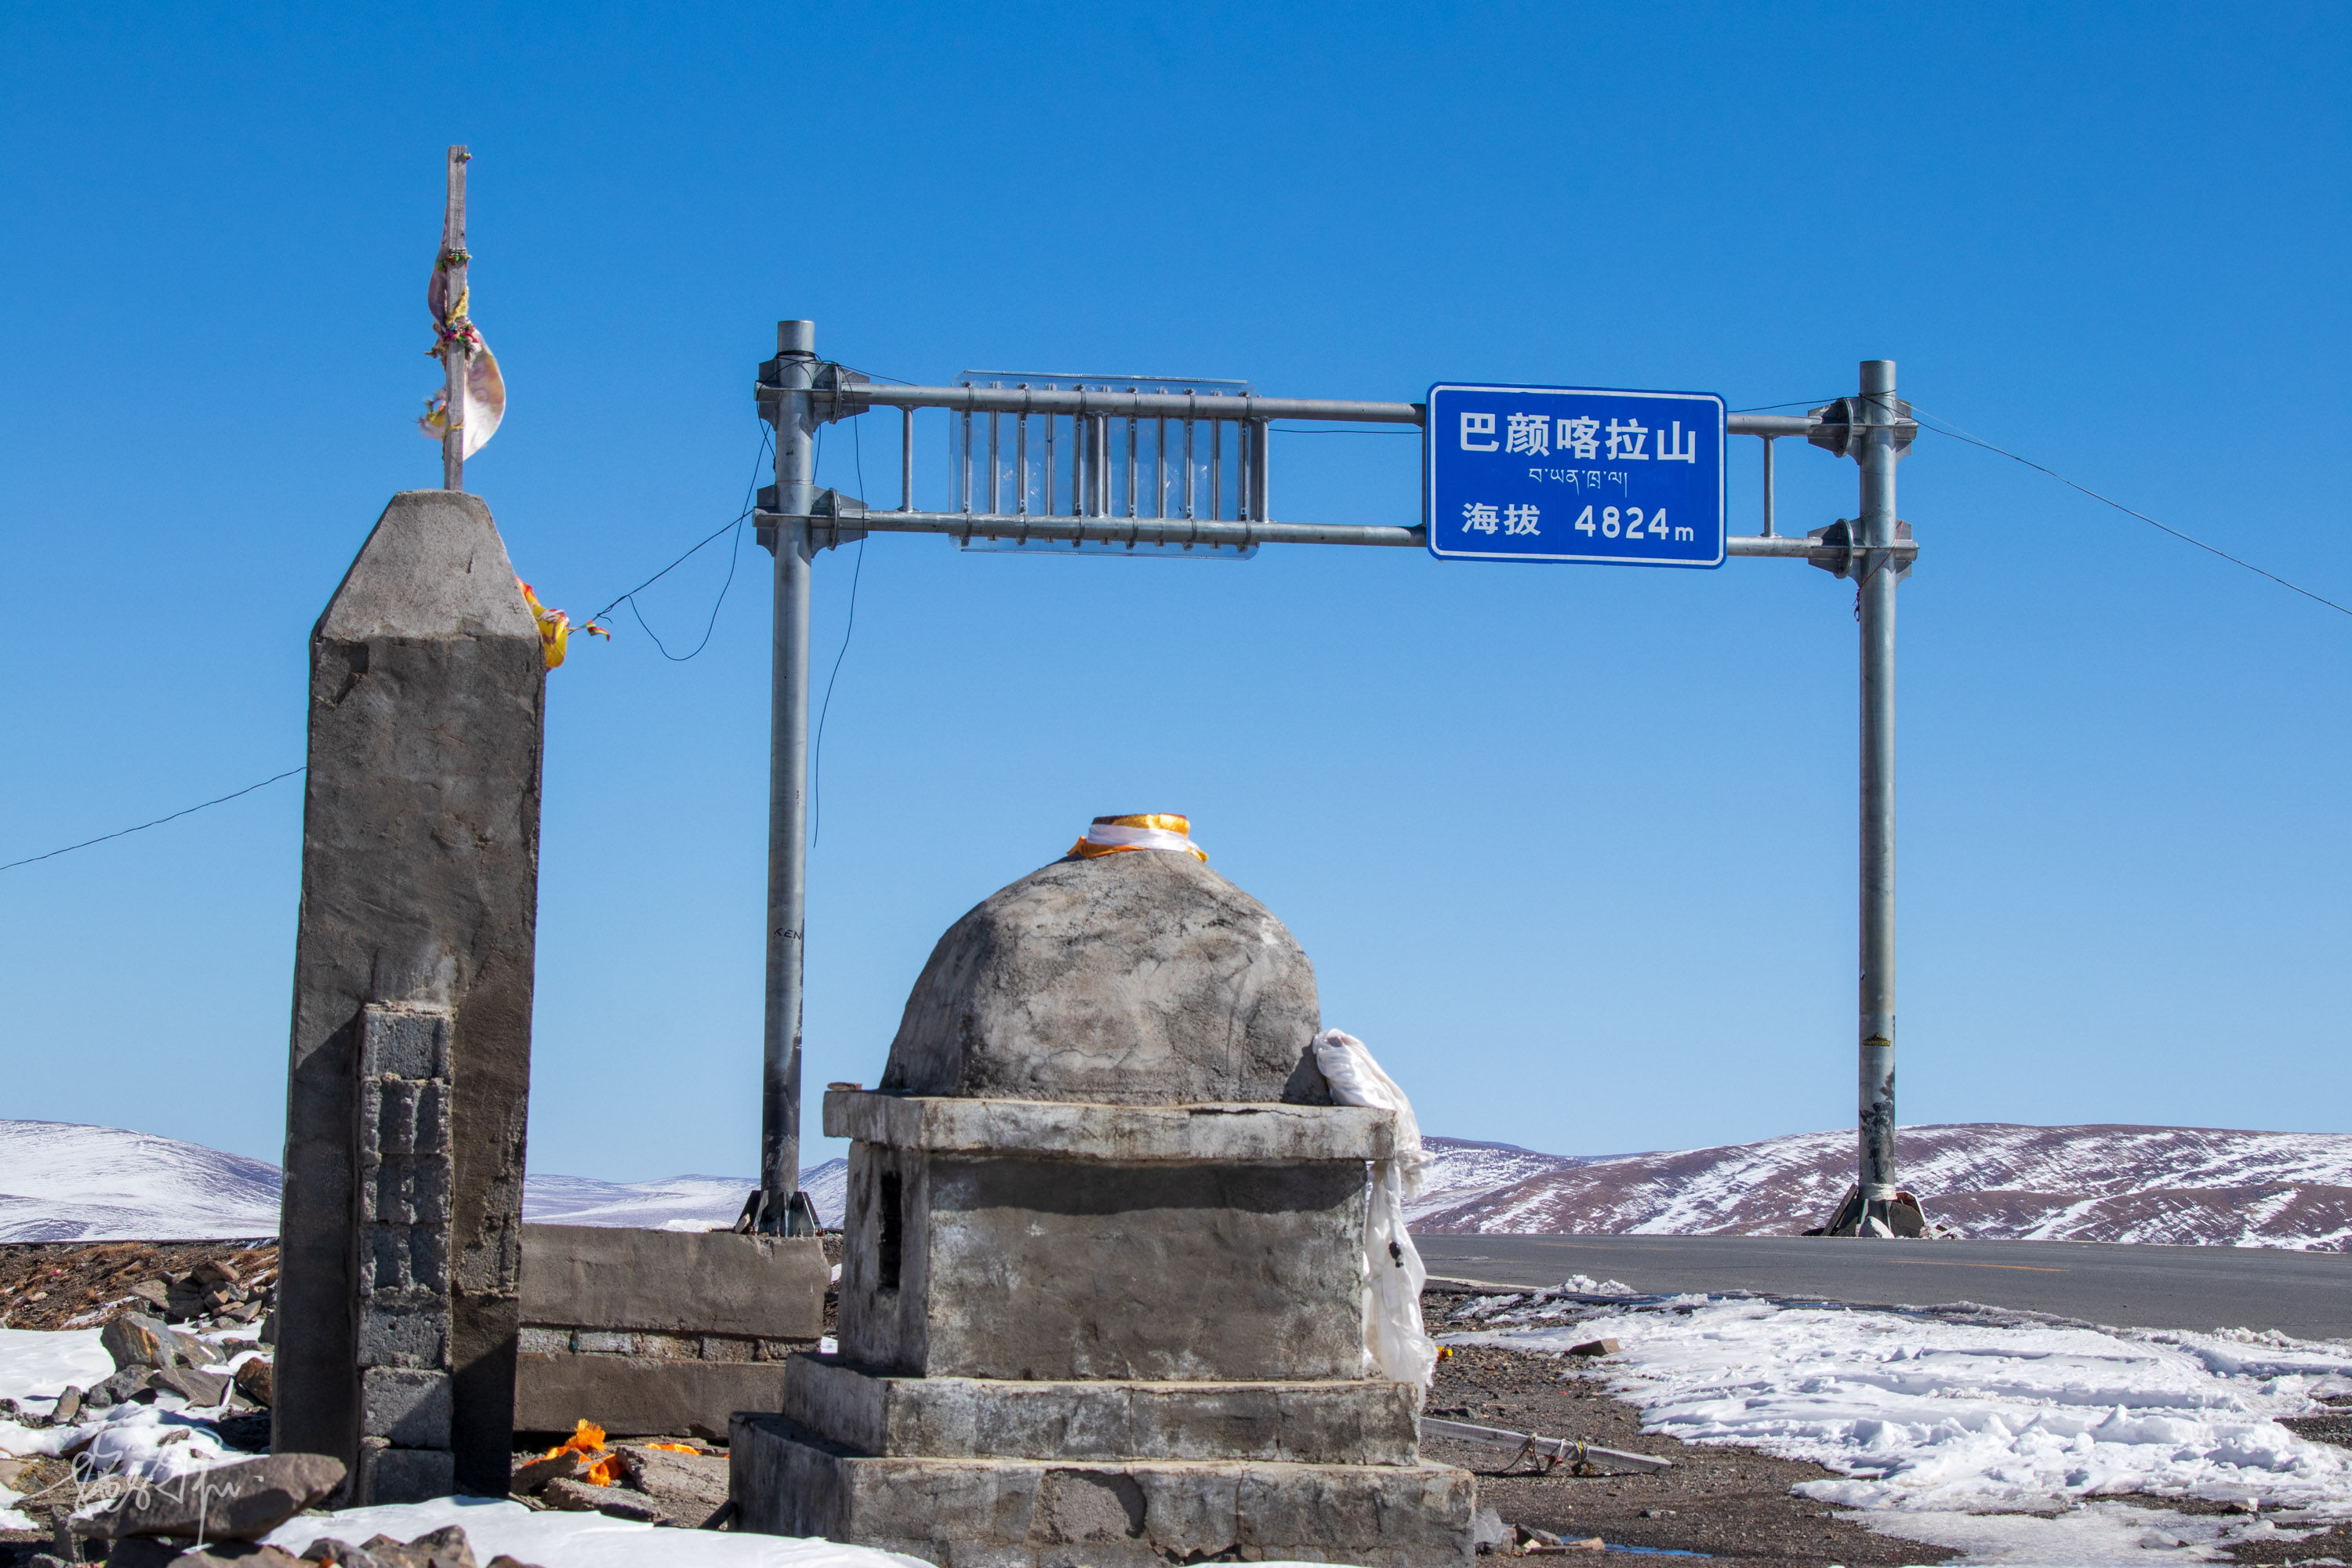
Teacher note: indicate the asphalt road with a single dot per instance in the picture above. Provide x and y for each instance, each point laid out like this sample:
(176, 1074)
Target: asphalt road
(2308, 1294)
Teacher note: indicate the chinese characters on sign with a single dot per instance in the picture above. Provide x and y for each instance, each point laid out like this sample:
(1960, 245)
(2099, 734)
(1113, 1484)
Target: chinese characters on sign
(1646, 488)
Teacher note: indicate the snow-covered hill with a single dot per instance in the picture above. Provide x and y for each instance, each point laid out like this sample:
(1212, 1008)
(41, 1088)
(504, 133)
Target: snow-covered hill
(1461, 1171)
(60, 1180)
(63, 1182)
(2179, 1184)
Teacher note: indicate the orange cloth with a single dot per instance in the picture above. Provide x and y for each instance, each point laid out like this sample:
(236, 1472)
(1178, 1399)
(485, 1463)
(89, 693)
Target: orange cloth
(554, 627)
(1140, 830)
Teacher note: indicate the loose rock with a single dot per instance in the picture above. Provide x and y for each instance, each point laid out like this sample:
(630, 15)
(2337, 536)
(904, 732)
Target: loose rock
(257, 1379)
(242, 1554)
(138, 1341)
(688, 1487)
(129, 1383)
(561, 1465)
(205, 1389)
(233, 1502)
(580, 1497)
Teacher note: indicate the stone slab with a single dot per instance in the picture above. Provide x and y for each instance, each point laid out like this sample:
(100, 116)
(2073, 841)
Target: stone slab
(1354, 1423)
(1195, 1273)
(420, 853)
(1232, 1131)
(632, 1396)
(678, 1283)
(1017, 1513)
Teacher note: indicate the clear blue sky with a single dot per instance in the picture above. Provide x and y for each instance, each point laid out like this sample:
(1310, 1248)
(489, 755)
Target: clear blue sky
(1571, 847)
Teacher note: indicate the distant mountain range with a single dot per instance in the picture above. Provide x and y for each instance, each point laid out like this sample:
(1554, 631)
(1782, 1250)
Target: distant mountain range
(681, 1203)
(62, 1182)
(2194, 1185)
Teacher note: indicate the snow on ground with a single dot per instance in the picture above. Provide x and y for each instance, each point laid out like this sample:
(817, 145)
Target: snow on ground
(37, 1366)
(1936, 1417)
(555, 1539)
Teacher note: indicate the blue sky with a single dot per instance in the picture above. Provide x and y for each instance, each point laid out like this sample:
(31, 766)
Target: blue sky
(1571, 847)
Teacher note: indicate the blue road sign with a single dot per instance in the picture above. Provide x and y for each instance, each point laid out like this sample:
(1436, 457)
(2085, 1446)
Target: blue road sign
(1565, 473)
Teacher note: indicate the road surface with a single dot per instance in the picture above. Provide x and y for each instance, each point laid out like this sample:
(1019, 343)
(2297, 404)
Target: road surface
(2308, 1294)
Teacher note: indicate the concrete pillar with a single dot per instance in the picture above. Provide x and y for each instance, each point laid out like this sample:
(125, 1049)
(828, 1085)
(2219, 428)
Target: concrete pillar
(411, 1058)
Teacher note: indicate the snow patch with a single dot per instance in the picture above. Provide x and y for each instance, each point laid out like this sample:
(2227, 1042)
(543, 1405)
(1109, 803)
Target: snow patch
(38, 1365)
(556, 1540)
(1951, 1409)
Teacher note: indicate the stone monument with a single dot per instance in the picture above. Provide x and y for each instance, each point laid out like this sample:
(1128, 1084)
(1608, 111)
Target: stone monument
(411, 1057)
(1102, 1300)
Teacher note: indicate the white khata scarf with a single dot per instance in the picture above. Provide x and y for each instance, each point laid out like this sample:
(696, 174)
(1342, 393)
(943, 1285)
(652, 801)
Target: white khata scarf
(1395, 1344)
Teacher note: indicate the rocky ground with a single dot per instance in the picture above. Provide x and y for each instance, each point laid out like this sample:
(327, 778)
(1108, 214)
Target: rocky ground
(1728, 1503)
(83, 1285)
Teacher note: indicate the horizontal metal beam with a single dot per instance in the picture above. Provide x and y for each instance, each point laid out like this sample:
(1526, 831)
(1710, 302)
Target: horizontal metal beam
(1110, 530)
(1240, 535)
(1118, 405)
(1182, 405)
(1770, 424)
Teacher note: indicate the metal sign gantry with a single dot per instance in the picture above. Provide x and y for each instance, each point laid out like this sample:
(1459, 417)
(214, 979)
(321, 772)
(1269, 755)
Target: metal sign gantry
(1079, 480)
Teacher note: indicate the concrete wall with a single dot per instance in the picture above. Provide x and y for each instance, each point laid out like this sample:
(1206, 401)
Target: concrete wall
(654, 1331)
(688, 1282)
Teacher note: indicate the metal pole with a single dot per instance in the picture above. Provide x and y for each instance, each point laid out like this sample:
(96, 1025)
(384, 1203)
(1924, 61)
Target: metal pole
(1767, 486)
(453, 350)
(788, 746)
(1875, 606)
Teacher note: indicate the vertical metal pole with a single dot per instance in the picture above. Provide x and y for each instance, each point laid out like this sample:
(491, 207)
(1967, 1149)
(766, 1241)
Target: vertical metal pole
(453, 261)
(906, 459)
(1262, 456)
(788, 745)
(1768, 487)
(1878, 455)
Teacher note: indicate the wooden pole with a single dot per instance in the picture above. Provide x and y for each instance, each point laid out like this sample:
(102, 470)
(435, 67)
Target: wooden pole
(453, 262)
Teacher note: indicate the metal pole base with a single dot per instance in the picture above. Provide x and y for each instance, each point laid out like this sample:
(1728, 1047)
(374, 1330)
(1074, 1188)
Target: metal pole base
(1900, 1217)
(796, 1217)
